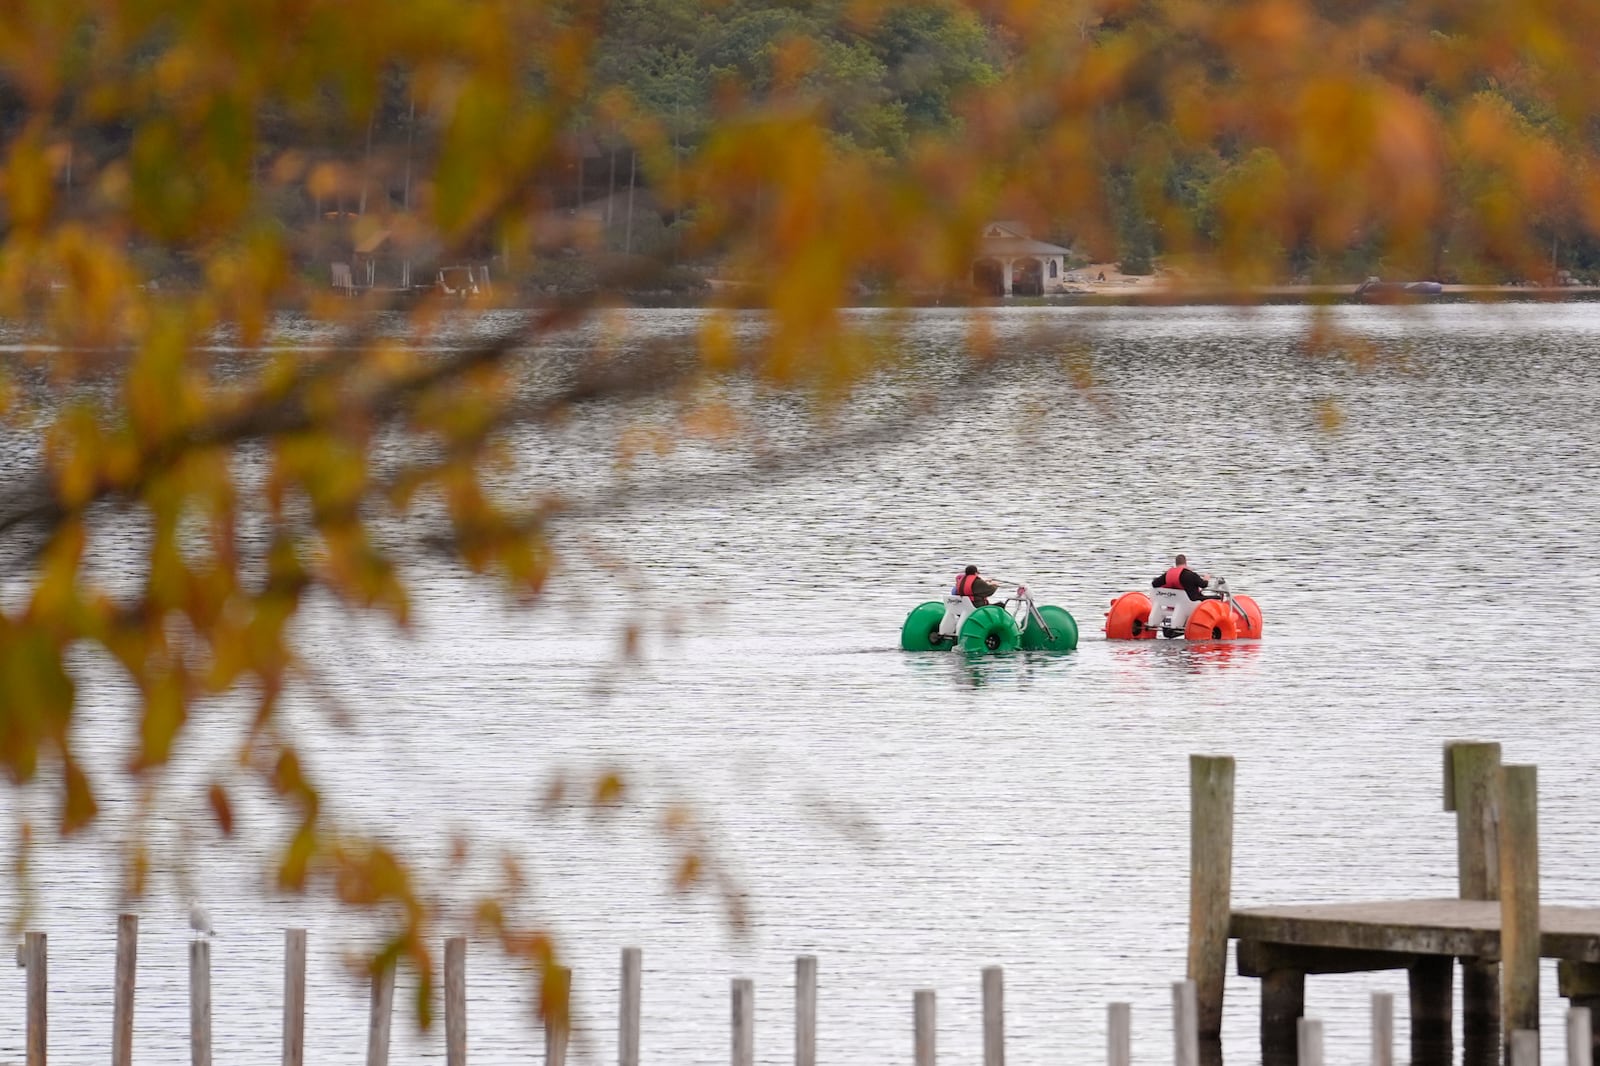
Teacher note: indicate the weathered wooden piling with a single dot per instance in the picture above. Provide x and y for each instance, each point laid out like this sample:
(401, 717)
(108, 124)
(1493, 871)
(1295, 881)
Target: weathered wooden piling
(294, 997)
(744, 1022)
(1472, 791)
(455, 1001)
(629, 1006)
(1431, 982)
(1382, 1029)
(1185, 1024)
(35, 949)
(122, 994)
(379, 1015)
(924, 1027)
(1119, 1034)
(200, 1003)
(1580, 1037)
(1519, 899)
(555, 1033)
(1283, 1002)
(1210, 883)
(805, 1010)
(994, 1017)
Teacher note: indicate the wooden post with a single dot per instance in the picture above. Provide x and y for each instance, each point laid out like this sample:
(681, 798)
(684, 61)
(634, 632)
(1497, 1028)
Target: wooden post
(994, 1017)
(630, 1006)
(1432, 1040)
(805, 1011)
(1185, 1024)
(379, 1015)
(1382, 1029)
(1580, 1037)
(924, 1027)
(1309, 1038)
(1524, 1047)
(1519, 899)
(200, 1003)
(35, 948)
(1283, 1001)
(294, 997)
(122, 996)
(1472, 791)
(455, 1001)
(744, 1022)
(1119, 1034)
(1210, 882)
(555, 1032)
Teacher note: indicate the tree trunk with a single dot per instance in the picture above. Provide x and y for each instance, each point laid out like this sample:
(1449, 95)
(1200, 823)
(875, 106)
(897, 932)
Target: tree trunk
(411, 136)
(633, 168)
(366, 164)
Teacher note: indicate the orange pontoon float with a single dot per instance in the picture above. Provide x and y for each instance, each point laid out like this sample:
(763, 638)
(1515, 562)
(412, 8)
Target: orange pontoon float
(1141, 615)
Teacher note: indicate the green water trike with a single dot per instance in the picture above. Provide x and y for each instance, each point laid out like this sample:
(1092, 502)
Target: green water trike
(1017, 623)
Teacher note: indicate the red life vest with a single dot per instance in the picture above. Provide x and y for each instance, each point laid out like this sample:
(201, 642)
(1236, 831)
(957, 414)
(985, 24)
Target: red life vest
(1174, 578)
(964, 585)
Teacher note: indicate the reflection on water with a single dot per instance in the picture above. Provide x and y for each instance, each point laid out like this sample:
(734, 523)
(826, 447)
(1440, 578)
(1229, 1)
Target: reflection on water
(1027, 810)
(1020, 668)
(1188, 656)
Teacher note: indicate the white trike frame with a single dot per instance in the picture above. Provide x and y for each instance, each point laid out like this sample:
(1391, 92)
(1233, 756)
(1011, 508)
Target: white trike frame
(1170, 608)
(1020, 607)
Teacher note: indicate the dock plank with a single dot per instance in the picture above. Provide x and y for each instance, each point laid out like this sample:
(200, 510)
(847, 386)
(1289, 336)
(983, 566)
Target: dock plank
(1460, 927)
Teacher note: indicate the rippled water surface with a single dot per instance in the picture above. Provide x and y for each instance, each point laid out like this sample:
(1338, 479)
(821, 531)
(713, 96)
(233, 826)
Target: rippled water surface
(1419, 525)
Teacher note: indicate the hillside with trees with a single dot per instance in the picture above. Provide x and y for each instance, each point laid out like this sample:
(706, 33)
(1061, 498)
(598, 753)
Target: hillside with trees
(1180, 159)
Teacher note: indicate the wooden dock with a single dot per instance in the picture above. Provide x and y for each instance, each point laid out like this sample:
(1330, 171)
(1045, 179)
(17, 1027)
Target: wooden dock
(1496, 928)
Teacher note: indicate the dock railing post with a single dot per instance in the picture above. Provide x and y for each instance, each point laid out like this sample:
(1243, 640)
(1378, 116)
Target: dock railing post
(455, 1001)
(1580, 1038)
(629, 1007)
(200, 1003)
(994, 1017)
(1210, 883)
(1382, 1029)
(122, 996)
(294, 997)
(1472, 791)
(1308, 1032)
(805, 1010)
(1119, 1034)
(380, 1014)
(744, 1022)
(1519, 899)
(36, 951)
(1185, 1027)
(1524, 1048)
(924, 1027)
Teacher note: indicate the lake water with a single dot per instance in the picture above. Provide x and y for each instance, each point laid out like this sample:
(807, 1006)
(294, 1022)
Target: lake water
(1419, 525)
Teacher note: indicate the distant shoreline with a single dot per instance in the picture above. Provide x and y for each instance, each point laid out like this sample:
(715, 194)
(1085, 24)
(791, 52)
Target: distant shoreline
(1171, 296)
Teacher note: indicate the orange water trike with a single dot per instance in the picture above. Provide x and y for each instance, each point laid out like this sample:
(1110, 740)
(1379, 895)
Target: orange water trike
(1142, 614)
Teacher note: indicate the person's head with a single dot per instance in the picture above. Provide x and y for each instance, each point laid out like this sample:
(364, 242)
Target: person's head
(970, 570)
(1182, 560)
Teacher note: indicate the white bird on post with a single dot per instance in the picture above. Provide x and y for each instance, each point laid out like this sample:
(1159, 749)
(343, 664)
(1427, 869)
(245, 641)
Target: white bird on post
(200, 921)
